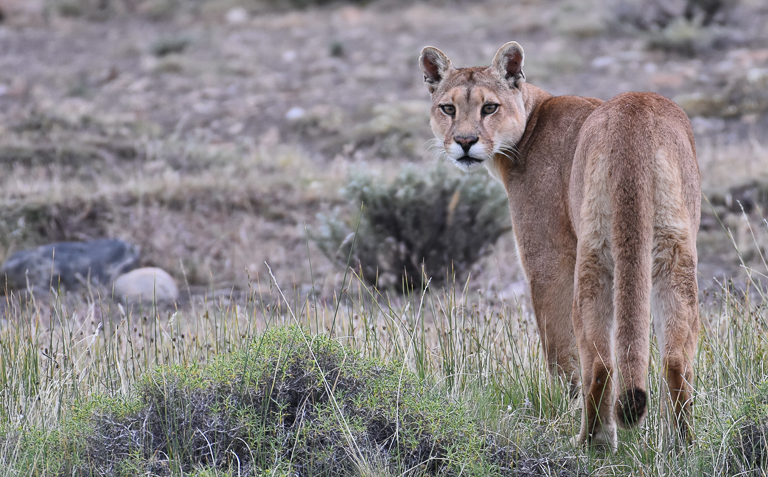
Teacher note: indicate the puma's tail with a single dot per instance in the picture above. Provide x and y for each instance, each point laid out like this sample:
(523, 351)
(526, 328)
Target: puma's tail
(632, 241)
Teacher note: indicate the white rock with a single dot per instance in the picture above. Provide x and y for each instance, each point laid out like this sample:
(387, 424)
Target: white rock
(757, 75)
(294, 113)
(237, 15)
(146, 285)
(603, 61)
(289, 56)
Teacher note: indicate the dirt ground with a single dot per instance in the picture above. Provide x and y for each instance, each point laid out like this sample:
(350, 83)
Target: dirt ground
(213, 135)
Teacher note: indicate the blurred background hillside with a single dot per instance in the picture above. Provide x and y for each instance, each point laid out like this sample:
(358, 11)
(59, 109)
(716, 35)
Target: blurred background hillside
(218, 135)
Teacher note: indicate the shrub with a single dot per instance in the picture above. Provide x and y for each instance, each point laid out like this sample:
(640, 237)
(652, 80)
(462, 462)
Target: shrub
(749, 454)
(659, 14)
(431, 225)
(169, 45)
(288, 402)
(688, 28)
(690, 38)
(742, 94)
(96, 10)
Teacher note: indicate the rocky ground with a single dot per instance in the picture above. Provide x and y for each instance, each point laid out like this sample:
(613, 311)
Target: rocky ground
(211, 134)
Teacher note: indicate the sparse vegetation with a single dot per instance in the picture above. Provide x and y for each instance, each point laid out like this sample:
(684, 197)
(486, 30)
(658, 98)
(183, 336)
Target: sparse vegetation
(287, 400)
(195, 158)
(432, 384)
(421, 226)
(689, 38)
(741, 95)
(159, 10)
(689, 28)
(658, 15)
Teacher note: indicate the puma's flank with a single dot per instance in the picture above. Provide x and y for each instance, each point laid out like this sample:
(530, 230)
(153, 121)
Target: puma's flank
(605, 202)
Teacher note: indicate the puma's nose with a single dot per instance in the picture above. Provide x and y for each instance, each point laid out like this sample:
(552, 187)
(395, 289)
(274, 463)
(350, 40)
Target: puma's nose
(465, 142)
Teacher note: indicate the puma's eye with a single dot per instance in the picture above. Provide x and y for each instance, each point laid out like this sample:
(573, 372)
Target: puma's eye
(490, 108)
(448, 109)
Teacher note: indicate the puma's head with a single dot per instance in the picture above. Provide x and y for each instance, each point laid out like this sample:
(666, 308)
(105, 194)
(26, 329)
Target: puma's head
(476, 112)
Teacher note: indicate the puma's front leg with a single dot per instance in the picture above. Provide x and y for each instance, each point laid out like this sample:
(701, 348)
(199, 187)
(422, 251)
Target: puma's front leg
(552, 297)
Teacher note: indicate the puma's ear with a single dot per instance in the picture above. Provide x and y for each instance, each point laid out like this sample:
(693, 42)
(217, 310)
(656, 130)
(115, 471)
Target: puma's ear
(508, 62)
(434, 64)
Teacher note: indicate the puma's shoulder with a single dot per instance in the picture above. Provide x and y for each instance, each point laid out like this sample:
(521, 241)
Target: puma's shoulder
(564, 111)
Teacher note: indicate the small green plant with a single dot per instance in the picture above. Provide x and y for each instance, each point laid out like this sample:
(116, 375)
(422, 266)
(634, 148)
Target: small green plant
(741, 95)
(655, 15)
(169, 45)
(749, 455)
(690, 28)
(423, 225)
(689, 38)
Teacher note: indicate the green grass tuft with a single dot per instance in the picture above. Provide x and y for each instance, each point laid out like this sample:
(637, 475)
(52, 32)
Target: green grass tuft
(288, 400)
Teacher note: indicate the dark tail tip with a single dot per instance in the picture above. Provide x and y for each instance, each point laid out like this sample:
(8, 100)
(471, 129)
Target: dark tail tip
(631, 406)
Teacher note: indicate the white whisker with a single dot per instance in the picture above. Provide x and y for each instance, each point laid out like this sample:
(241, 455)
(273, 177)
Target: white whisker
(436, 147)
(510, 151)
(433, 143)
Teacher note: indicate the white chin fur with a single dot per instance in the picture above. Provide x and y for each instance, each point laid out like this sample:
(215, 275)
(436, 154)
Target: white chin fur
(468, 166)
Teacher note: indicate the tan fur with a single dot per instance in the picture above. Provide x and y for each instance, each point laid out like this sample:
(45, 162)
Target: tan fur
(605, 205)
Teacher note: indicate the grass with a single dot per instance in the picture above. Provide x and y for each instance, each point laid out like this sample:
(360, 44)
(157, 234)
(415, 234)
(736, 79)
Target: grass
(160, 10)
(66, 359)
(74, 370)
(83, 179)
(74, 365)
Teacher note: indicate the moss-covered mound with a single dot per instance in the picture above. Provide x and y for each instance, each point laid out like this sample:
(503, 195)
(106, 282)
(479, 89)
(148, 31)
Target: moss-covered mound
(290, 403)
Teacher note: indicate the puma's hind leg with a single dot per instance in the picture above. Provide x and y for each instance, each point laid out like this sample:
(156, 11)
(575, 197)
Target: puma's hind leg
(593, 323)
(675, 311)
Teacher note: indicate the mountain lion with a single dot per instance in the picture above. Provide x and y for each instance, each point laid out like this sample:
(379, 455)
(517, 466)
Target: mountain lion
(605, 201)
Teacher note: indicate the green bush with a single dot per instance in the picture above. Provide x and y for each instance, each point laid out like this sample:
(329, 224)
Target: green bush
(656, 15)
(423, 225)
(743, 94)
(749, 454)
(688, 28)
(290, 403)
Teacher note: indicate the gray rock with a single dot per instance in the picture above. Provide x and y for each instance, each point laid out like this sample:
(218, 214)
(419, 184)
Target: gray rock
(146, 284)
(69, 264)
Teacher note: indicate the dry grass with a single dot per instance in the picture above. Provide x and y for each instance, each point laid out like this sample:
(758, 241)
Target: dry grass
(725, 165)
(193, 156)
(478, 351)
(187, 201)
